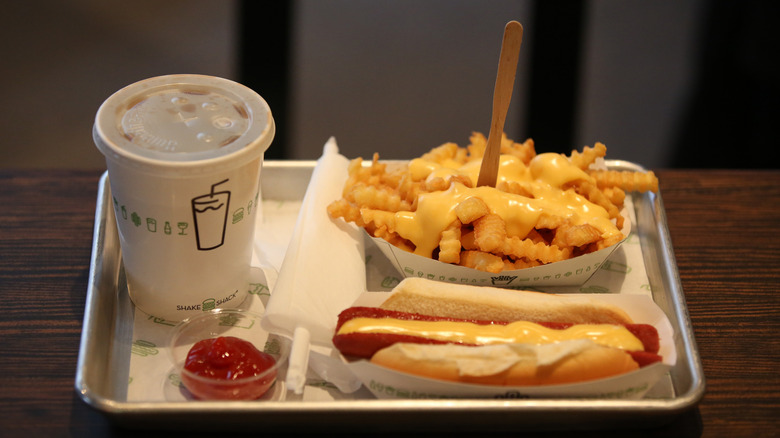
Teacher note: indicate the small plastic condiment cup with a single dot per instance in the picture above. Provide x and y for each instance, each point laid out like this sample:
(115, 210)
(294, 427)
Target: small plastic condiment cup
(238, 323)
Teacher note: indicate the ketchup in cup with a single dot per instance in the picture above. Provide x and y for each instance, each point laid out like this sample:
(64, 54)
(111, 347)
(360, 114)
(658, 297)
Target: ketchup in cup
(228, 368)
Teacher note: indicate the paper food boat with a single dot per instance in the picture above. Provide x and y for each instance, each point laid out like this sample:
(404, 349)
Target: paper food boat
(570, 272)
(385, 383)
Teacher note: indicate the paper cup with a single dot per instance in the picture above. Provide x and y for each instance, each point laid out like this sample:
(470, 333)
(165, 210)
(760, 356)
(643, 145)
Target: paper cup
(184, 154)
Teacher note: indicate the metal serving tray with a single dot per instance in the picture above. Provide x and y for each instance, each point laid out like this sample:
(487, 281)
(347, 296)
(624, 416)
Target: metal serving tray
(101, 379)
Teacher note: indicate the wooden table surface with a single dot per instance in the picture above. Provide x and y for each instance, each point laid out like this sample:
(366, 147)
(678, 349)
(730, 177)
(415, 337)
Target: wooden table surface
(724, 227)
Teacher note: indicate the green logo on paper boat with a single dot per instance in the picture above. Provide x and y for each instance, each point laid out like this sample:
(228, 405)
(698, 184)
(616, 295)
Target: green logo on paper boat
(616, 267)
(594, 289)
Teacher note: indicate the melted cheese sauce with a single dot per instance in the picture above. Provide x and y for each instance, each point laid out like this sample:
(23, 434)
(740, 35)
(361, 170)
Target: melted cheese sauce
(514, 333)
(545, 175)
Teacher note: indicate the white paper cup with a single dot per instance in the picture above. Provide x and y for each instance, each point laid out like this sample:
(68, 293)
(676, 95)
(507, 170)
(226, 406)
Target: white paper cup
(184, 154)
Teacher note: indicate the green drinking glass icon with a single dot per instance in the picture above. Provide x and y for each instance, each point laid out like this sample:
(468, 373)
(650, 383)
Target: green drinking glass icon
(210, 213)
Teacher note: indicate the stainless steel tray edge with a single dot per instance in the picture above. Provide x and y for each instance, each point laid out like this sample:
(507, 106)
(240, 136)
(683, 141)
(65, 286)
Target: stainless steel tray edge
(660, 263)
(98, 311)
(99, 358)
(691, 376)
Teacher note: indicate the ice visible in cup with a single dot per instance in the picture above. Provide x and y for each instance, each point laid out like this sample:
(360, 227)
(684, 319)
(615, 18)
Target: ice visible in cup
(184, 155)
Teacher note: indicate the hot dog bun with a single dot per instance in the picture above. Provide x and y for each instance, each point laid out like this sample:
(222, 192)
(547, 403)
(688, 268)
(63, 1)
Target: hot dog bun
(440, 330)
(508, 364)
(418, 295)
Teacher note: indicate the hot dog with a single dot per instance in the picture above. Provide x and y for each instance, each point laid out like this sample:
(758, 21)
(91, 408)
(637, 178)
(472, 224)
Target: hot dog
(495, 336)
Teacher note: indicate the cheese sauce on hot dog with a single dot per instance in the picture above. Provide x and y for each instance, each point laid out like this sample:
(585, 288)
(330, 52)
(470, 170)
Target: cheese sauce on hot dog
(477, 334)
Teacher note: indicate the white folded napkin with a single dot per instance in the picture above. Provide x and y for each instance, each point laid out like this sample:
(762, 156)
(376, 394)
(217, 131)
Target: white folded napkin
(323, 272)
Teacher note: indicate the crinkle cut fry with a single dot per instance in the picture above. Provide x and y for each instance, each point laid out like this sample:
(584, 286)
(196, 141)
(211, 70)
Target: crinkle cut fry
(408, 190)
(616, 195)
(378, 218)
(367, 174)
(549, 221)
(392, 179)
(489, 232)
(609, 241)
(376, 174)
(380, 223)
(516, 188)
(442, 153)
(341, 208)
(394, 239)
(519, 248)
(483, 261)
(592, 193)
(626, 180)
(376, 197)
(570, 235)
(476, 147)
(439, 184)
(525, 151)
(588, 155)
(467, 239)
(449, 244)
(524, 263)
(471, 209)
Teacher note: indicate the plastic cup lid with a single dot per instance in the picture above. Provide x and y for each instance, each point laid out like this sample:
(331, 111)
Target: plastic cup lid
(183, 124)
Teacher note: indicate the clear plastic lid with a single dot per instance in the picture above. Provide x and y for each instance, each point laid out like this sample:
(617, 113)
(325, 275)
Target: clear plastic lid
(183, 121)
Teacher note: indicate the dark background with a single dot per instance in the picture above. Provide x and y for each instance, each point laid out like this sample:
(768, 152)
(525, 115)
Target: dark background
(685, 84)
